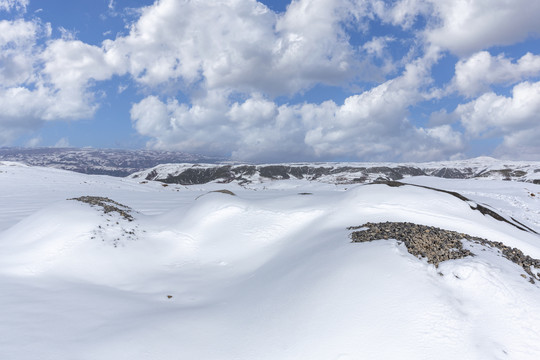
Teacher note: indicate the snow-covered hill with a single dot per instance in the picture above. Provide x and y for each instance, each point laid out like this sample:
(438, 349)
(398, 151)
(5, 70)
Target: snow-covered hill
(115, 162)
(96, 267)
(483, 167)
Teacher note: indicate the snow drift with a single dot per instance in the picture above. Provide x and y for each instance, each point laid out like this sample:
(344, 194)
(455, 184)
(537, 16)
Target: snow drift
(266, 273)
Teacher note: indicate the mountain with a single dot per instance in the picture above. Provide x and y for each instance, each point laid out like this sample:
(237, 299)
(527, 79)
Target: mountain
(114, 162)
(100, 267)
(342, 173)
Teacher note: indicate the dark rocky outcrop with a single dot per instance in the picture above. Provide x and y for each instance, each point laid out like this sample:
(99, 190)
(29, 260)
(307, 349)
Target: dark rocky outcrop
(199, 175)
(438, 245)
(107, 205)
(328, 172)
(452, 173)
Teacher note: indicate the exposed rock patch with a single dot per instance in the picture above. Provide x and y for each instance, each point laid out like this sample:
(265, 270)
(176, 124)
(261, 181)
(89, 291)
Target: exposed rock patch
(222, 191)
(438, 245)
(339, 173)
(115, 230)
(107, 205)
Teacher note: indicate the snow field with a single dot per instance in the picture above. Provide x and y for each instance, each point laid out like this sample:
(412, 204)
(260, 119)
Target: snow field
(265, 274)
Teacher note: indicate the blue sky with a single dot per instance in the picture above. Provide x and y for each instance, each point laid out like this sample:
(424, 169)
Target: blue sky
(304, 80)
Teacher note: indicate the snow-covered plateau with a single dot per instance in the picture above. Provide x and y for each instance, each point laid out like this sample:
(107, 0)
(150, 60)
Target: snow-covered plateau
(342, 173)
(98, 267)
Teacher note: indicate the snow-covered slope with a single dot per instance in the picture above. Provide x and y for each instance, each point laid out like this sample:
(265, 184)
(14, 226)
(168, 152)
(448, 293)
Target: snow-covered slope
(115, 162)
(485, 168)
(139, 270)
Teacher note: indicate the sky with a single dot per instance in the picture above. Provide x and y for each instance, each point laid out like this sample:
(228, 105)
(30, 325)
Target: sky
(275, 81)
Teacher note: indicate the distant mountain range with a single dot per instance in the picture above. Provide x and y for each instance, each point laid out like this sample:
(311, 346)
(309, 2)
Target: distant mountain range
(187, 169)
(113, 162)
(483, 167)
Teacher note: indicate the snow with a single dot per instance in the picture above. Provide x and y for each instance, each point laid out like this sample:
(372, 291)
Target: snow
(266, 273)
(341, 172)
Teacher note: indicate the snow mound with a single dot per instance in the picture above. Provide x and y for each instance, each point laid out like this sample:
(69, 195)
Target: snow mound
(266, 274)
(68, 239)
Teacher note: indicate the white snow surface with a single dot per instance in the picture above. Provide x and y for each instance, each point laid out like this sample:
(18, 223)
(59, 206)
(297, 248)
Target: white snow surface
(269, 273)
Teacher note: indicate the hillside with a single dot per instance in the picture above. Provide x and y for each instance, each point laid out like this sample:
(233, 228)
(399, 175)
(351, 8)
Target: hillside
(97, 267)
(343, 173)
(114, 162)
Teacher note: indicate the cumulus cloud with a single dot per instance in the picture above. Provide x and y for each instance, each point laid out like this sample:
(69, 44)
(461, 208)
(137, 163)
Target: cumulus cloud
(62, 143)
(16, 51)
(247, 47)
(209, 74)
(522, 144)
(462, 26)
(494, 115)
(39, 83)
(9, 5)
(514, 118)
(475, 74)
(402, 13)
(71, 64)
(257, 53)
(465, 27)
(371, 125)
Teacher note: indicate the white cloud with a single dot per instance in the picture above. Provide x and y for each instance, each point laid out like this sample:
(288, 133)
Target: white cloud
(247, 47)
(71, 64)
(371, 125)
(378, 45)
(402, 13)
(37, 84)
(514, 118)
(522, 144)
(255, 54)
(230, 59)
(16, 51)
(62, 143)
(8, 5)
(34, 142)
(465, 26)
(493, 115)
(474, 75)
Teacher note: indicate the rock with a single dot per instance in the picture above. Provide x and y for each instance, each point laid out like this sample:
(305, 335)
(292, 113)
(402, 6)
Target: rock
(438, 245)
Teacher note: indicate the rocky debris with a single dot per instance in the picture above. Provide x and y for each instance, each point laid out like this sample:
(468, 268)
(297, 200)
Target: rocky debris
(438, 245)
(115, 233)
(115, 230)
(474, 206)
(107, 205)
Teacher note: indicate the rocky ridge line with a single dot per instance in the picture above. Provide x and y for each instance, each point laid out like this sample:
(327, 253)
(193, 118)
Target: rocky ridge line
(339, 173)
